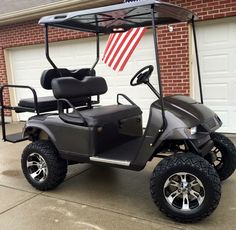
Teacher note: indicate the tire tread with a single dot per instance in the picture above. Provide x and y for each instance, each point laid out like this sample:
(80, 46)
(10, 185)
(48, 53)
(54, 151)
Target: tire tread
(230, 151)
(56, 165)
(192, 160)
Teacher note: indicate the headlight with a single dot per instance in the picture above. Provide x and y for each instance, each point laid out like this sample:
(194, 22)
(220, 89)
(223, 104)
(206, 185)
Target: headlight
(192, 130)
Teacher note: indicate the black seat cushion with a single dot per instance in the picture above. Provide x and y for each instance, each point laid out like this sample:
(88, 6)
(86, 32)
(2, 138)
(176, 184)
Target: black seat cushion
(50, 74)
(102, 115)
(47, 104)
(69, 87)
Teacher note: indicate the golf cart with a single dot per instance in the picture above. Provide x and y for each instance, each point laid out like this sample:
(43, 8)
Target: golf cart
(185, 185)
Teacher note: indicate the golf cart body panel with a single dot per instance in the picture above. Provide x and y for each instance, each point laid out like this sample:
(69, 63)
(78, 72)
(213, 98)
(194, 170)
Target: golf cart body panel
(122, 134)
(183, 119)
(79, 143)
(121, 16)
(192, 113)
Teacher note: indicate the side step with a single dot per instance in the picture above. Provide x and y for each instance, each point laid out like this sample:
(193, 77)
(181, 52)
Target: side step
(15, 138)
(110, 161)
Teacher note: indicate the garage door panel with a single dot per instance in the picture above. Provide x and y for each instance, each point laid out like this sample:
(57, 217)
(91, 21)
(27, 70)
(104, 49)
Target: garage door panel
(233, 90)
(216, 34)
(211, 89)
(22, 75)
(232, 119)
(224, 117)
(217, 52)
(233, 62)
(215, 63)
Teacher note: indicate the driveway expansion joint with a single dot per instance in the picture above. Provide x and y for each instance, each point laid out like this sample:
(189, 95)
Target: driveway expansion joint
(19, 204)
(117, 212)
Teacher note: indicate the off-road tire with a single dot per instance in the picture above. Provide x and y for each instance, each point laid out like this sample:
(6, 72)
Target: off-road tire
(56, 166)
(228, 151)
(192, 164)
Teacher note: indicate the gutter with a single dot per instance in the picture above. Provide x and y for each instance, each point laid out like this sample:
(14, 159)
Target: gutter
(52, 8)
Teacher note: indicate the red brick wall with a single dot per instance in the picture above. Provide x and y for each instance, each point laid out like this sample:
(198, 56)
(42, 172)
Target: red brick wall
(174, 59)
(173, 46)
(174, 52)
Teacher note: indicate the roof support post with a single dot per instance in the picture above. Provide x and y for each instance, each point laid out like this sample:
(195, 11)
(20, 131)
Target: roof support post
(47, 50)
(197, 59)
(98, 51)
(158, 67)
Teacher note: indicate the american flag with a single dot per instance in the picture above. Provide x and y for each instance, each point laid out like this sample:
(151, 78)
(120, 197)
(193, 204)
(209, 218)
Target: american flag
(120, 47)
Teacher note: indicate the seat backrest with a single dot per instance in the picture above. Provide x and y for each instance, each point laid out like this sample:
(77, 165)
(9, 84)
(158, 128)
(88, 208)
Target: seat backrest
(49, 75)
(81, 73)
(69, 87)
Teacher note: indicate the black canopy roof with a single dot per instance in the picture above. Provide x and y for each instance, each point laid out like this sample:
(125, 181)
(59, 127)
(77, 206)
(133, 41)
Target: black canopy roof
(120, 17)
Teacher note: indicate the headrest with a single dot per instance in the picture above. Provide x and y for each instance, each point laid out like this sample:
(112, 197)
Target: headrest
(69, 87)
(81, 73)
(49, 75)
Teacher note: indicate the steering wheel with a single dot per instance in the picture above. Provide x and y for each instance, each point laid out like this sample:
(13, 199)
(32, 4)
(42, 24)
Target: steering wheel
(142, 76)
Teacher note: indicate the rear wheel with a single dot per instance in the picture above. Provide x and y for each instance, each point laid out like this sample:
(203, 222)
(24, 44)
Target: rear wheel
(185, 187)
(42, 166)
(222, 156)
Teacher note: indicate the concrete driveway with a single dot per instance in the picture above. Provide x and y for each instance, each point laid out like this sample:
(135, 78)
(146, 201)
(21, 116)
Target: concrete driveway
(96, 198)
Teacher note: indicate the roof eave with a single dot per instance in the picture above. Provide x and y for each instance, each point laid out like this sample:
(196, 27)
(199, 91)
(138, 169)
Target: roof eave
(63, 6)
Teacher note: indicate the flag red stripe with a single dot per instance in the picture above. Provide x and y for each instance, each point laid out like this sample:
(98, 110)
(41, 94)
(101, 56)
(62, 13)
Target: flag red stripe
(119, 47)
(113, 47)
(108, 45)
(127, 45)
(132, 50)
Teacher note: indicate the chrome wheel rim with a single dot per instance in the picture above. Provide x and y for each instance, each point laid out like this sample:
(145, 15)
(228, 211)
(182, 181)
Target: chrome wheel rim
(217, 158)
(37, 167)
(184, 191)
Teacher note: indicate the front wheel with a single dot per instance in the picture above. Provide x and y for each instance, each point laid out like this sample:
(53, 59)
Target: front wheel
(185, 187)
(222, 156)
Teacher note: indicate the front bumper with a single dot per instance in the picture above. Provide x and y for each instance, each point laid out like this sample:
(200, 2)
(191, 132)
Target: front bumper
(201, 144)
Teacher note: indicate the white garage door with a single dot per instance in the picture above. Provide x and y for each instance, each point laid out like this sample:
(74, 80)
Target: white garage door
(217, 49)
(27, 64)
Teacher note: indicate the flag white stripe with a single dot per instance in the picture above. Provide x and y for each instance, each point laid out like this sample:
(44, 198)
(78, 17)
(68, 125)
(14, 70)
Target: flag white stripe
(129, 49)
(120, 47)
(111, 45)
(116, 47)
(106, 49)
(124, 46)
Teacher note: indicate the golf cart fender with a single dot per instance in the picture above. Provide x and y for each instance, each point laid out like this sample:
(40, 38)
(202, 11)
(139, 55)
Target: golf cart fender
(181, 130)
(37, 129)
(153, 139)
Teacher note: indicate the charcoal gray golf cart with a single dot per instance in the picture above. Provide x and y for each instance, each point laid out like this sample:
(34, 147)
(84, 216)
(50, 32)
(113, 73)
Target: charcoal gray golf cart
(185, 185)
